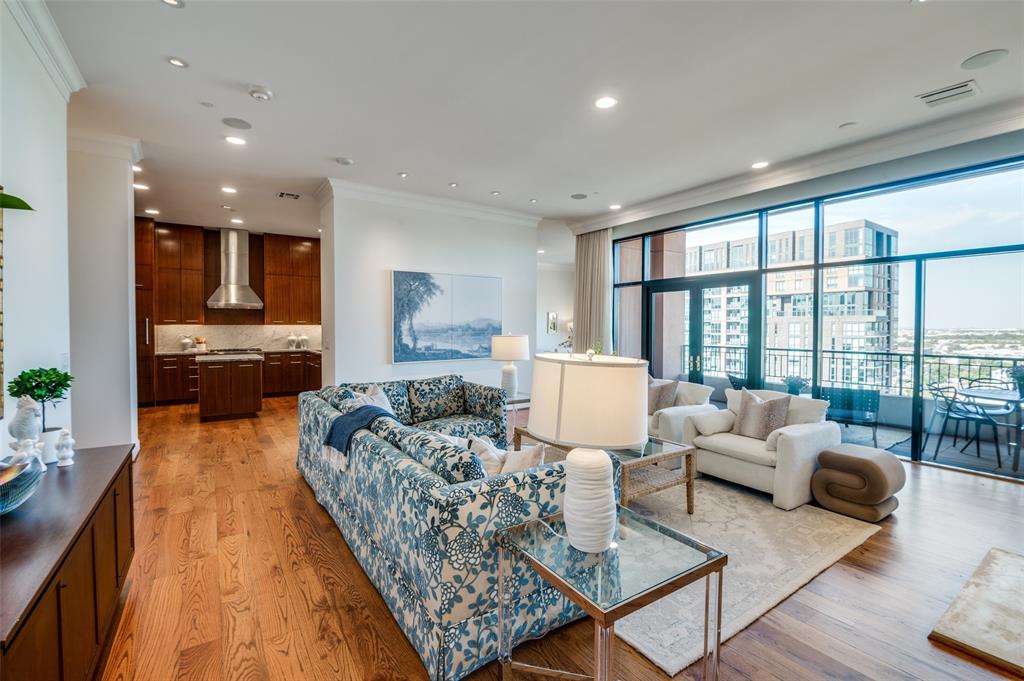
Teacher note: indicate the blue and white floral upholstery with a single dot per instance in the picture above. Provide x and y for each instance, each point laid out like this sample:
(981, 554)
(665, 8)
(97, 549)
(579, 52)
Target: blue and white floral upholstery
(429, 546)
(445, 404)
(449, 461)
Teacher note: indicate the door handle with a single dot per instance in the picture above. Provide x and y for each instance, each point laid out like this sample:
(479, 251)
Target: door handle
(147, 330)
(697, 358)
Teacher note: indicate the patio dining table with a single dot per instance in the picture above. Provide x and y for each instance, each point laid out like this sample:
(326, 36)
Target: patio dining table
(1011, 398)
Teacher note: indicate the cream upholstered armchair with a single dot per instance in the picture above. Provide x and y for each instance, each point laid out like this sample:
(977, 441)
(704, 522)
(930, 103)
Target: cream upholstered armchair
(691, 398)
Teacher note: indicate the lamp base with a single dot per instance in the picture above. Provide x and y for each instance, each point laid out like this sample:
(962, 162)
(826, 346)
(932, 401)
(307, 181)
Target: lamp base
(589, 507)
(510, 379)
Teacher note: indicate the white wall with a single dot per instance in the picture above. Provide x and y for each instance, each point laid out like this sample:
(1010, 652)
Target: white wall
(372, 232)
(101, 210)
(33, 165)
(556, 285)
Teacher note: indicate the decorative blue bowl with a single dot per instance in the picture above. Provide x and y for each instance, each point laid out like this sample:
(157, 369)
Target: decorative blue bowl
(16, 487)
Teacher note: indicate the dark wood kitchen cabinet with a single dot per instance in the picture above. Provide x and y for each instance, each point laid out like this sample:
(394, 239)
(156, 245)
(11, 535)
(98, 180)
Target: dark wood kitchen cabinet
(287, 373)
(177, 378)
(145, 334)
(230, 388)
(60, 588)
(291, 280)
(179, 296)
(314, 377)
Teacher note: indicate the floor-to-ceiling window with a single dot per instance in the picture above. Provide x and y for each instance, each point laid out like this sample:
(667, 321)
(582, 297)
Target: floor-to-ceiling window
(884, 301)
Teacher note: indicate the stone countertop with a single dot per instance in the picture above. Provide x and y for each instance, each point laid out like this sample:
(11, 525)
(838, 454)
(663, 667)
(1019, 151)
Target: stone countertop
(189, 353)
(241, 357)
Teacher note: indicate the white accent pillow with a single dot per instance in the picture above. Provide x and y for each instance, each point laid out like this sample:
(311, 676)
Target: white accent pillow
(527, 457)
(490, 456)
(801, 409)
(712, 422)
(692, 393)
(378, 397)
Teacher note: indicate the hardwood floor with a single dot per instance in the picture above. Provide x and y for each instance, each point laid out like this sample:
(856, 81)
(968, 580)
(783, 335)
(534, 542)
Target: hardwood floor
(239, 574)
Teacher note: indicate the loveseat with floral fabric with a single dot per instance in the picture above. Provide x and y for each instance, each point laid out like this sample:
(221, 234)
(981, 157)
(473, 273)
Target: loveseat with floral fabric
(443, 404)
(421, 518)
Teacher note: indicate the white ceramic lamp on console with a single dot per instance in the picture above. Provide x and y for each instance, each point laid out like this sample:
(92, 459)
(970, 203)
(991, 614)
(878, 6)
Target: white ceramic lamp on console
(589, 402)
(511, 349)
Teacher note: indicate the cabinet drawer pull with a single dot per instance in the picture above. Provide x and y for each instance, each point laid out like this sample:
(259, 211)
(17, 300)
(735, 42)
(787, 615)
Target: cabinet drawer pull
(245, 365)
(170, 321)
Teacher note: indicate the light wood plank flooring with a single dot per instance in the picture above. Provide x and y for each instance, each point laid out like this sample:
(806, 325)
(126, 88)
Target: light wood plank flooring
(239, 574)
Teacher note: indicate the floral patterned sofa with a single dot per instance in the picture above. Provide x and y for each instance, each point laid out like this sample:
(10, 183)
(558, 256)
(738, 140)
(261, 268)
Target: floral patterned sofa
(444, 404)
(425, 536)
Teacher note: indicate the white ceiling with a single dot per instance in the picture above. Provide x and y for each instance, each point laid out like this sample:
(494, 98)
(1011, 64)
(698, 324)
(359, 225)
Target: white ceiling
(499, 95)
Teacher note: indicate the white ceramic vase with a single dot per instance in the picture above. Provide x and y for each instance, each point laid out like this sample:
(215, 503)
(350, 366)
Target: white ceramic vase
(589, 506)
(48, 438)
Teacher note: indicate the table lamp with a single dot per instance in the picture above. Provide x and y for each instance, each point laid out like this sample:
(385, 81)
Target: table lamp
(590, 402)
(510, 348)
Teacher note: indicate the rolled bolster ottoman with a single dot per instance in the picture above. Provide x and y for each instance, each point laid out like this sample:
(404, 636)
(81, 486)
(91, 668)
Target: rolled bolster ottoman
(858, 481)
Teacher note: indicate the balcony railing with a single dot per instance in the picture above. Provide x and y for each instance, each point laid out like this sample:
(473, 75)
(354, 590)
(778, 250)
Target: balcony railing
(891, 373)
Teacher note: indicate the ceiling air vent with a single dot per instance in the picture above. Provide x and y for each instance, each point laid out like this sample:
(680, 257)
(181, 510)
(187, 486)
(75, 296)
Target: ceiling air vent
(288, 195)
(950, 93)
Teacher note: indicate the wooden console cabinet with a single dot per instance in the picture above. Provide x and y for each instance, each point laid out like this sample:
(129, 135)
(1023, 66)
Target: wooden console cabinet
(64, 556)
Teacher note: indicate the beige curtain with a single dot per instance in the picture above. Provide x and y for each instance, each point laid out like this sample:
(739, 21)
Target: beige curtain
(592, 310)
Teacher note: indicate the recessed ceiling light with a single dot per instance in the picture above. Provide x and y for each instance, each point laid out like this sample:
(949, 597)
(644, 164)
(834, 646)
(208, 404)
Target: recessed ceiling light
(578, 197)
(228, 208)
(237, 123)
(177, 61)
(453, 185)
(759, 164)
(615, 206)
(540, 251)
(136, 169)
(260, 93)
(605, 102)
(141, 186)
(533, 200)
(319, 230)
(231, 139)
(403, 175)
(344, 161)
(983, 59)
(847, 124)
(237, 221)
(152, 211)
(208, 105)
(174, 3)
(229, 190)
(495, 193)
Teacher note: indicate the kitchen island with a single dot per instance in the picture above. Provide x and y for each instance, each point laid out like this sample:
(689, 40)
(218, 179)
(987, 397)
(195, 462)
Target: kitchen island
(231, 385)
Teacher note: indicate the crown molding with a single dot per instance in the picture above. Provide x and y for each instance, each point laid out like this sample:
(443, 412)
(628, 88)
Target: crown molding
(392, 197)
(41, 32)
(994, 120)
(103, 144)
(323, 193)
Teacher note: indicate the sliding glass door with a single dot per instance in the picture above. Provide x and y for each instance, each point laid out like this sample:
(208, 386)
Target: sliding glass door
(701, 330)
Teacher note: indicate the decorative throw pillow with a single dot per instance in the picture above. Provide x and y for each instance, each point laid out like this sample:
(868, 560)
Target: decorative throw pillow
(527, 457)
(397, 392)
(451, 463)
(434, 398)
(712, 422)
(661, 394)
(377, 396)
(757, 418)
(351, 404)
(334, 395)
(490, 456)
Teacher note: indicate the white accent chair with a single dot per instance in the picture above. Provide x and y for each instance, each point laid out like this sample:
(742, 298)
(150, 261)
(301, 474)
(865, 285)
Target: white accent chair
(782, 465)
(691, 398)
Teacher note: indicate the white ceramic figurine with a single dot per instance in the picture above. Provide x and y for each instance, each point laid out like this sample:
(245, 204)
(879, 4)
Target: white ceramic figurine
(65, 448)
(26, 422)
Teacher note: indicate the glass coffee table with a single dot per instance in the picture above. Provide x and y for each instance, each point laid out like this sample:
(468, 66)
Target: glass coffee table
(647, 561)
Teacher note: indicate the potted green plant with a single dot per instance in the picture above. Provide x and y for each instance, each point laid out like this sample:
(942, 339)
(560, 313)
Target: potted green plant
(44, 386)
(1017, 376)
(795, 384)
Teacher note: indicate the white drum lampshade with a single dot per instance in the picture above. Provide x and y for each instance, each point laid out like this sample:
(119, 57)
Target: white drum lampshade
(510, 348)
(589, 403)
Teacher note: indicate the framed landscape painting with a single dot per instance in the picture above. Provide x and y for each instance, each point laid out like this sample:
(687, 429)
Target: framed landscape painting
(441, 317)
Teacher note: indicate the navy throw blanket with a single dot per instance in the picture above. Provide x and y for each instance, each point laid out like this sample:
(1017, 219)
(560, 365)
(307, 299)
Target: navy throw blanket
(346, 425)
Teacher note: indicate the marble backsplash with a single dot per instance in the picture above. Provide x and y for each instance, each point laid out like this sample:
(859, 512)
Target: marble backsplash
(265, 337)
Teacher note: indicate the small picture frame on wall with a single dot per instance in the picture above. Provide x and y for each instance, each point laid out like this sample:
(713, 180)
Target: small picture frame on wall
(552, 322)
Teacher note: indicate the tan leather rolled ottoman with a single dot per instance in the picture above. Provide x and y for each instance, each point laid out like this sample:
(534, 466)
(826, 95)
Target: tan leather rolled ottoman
(858, 481)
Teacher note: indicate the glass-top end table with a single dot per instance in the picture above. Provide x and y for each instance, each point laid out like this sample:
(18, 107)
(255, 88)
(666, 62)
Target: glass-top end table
(647, 561)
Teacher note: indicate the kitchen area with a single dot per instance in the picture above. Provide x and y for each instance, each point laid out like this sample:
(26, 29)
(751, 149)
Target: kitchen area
(225, 318)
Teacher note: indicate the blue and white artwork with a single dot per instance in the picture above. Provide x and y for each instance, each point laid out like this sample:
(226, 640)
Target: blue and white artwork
(440, 317)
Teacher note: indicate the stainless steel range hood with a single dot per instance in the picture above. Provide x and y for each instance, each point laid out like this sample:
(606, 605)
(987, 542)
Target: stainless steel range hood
(234, 292)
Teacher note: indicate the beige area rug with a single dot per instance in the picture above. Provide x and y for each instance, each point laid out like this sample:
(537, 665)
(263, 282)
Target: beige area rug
(772, 553)
(986, 619)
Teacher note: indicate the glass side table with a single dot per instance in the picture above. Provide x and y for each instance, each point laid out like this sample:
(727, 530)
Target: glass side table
(647, 561)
